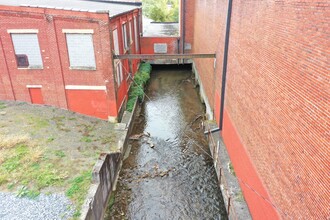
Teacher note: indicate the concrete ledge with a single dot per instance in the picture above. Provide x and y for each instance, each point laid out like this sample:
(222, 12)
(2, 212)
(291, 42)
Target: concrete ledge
(203, 96)
(230, 188)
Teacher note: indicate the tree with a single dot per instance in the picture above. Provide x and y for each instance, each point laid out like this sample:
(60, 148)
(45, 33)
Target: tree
(161, 10)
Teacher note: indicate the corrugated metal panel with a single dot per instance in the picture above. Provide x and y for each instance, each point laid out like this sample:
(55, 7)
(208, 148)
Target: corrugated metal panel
(27, 44)
(115, 41)
(81, 51)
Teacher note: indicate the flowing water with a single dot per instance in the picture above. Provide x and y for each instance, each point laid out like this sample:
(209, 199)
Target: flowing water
(169, 172)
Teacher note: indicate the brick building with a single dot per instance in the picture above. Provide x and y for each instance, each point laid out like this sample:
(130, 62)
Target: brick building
(276, 121)
(59, 53)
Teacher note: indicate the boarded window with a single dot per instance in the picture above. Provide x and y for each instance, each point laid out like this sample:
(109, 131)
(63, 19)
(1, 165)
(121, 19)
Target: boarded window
(115, 41)
(125, 36)
(27, 51)
(81, 51)
(119, 71)
(130, 32)
(136, 35)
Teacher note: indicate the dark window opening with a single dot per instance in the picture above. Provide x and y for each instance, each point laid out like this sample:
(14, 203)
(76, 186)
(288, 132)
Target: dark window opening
(22, 60)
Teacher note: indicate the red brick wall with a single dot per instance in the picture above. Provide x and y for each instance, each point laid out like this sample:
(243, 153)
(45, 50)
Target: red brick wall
(277, 99)
(56, 72)
(189, 11)
(147, 44)
(129, 66)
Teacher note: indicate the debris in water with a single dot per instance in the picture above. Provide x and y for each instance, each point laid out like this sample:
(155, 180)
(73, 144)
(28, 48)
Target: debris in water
(150, 144)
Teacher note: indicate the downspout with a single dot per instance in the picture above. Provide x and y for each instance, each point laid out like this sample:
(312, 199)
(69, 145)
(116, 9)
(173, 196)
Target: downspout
(183, 26)
(225, 61)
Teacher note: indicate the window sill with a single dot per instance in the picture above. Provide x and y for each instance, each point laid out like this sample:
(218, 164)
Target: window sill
(31, 68)
(82, 68)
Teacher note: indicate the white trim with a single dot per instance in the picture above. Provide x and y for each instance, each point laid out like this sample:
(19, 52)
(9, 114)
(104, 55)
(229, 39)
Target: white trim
(78, 31)
(22, 31)
(80, 87)
(33, 86)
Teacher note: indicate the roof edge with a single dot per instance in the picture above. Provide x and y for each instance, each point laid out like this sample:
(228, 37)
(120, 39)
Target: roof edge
(117, 2)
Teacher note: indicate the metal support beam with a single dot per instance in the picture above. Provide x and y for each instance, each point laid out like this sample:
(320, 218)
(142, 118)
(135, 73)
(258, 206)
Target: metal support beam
(162, 56)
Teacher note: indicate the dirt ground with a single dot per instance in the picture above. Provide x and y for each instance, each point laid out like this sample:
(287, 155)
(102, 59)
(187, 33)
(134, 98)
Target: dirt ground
(68, 145)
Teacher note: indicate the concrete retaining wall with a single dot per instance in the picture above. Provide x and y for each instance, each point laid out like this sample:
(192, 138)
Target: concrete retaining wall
(104, 178)
(236, 206)
(106, 172)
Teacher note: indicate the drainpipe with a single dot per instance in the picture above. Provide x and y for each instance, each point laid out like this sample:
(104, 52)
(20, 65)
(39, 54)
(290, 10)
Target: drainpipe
(183, 26)
(178, 43)
(225, 61)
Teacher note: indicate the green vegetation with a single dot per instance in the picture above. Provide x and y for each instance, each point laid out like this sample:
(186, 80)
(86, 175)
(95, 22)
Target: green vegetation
(27, 169)
(37, 122)
(2, 105)
(86, 139)
(231, 169)
(137, 88)
(240, 196)
(24, 191)
(60, 153)
(161, 10)
(78, 190)
(22, 165)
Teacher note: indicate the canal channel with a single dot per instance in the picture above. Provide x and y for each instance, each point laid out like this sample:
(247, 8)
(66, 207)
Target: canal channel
(169, 172)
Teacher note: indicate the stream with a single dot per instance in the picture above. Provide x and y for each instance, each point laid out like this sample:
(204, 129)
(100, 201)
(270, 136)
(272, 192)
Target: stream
(169, 173)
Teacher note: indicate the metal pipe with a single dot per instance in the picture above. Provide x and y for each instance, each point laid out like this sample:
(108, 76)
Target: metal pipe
(162, 56)
(212, 131)
(183, 27)
(225, 61)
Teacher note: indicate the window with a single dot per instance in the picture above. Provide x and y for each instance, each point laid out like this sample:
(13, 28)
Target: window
(27, 50)
(81, 51)
(119, 72)
(130, 32)
(125, 36)
(136, 35)
(115, 41)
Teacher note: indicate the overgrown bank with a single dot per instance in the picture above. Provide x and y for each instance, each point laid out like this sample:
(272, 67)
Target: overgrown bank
(137, 88)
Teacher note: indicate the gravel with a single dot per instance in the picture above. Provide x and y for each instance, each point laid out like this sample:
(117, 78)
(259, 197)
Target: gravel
(54, 206)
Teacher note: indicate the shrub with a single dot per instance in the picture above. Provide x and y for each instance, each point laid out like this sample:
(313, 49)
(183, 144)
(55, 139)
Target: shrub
(137, 88)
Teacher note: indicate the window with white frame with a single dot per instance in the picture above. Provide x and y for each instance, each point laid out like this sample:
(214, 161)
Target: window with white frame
(27, 50)
(80, 49)
(125, 36)
(130, 32)
(119, 72)
(136, 34)
(115, 41)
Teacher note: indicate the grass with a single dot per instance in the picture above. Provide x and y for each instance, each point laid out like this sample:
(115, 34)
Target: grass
(37, 122)
(59, 153)
(2, 105)
(240, 196)
(231, 169)
(137, 88)
(86, 139)
(78, 189)
(27, 168)
(23, 164)
(36, 156)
